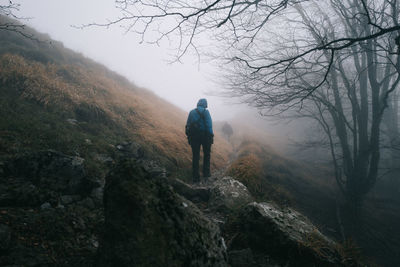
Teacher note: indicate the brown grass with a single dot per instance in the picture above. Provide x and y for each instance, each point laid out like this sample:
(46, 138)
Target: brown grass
(351, 253)
(250, 169)
(318, 245)
(143, 117)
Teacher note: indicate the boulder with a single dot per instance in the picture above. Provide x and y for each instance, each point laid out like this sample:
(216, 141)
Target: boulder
(283, 235)
(15, 192)
(153, 168)
(53, 171)
(130, 150)
(148, 224)
(193, 193)
(45, 206)
(228, 194)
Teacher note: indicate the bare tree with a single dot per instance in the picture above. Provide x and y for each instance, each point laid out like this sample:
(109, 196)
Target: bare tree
(334, 61)
(391, 143)
(8, 9)
(10, 21)
(240, 21)
(346, 91)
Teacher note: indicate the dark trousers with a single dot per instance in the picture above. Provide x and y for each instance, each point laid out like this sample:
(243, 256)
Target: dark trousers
(196, 144)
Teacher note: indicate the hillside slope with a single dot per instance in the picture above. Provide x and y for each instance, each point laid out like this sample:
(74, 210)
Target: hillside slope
(54, 98)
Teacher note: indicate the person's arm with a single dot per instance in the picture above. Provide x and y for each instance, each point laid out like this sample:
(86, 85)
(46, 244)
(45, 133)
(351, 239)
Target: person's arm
(188, 122)
(208, 122)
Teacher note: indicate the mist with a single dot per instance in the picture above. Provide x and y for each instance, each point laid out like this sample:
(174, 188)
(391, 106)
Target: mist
(310, 90)
(148, 66)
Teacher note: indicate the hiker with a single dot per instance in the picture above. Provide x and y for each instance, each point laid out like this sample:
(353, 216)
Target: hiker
(227, 130)
(200, 133)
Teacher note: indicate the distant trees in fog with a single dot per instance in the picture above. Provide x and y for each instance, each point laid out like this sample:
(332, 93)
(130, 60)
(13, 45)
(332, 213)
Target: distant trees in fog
(334, 61)
(346, 91)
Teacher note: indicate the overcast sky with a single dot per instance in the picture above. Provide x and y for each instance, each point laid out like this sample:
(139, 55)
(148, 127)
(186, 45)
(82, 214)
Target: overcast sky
(146, 65)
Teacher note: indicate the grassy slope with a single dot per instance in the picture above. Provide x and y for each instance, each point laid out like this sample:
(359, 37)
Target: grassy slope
(270, 176)
(43, 85)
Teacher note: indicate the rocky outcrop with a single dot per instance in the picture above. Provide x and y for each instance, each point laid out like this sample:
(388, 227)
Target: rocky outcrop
(228, 195)
(50, 212)
(34, 178)
(260, 234)
(196, 194)
(223, 195)
(272, 236)
(148, 224)
(130, 150)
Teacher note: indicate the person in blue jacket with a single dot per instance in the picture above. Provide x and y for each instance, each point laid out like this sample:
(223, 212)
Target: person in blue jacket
(200, 134)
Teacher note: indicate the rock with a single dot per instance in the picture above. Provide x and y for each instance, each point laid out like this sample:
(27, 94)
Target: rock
(79, 224)
(45, 206)
(153, 168)
(51, 237)
(88, 203)
(284, 235)
(15, 192)
(5, 237)
(68, 199)
(103, 158)
(52, 170)
(193, 193)
(147, 224)
(228, 194)
(241, 258)
(131, 150)
(72, 121)
(97, 195)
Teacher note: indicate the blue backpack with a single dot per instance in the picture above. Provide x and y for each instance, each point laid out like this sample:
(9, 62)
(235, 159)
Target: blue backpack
(194, 129)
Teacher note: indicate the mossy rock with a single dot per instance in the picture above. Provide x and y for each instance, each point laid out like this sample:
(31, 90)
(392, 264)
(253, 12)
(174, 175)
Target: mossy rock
(147, 224)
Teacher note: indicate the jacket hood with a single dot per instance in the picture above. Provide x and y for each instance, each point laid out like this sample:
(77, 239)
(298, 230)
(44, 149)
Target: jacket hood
(202, 103)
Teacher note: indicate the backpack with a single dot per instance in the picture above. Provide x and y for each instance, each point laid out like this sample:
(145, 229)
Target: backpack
(194, 129)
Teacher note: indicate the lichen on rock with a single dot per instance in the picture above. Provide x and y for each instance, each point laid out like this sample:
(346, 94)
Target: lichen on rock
(228, 194)
(283, 236)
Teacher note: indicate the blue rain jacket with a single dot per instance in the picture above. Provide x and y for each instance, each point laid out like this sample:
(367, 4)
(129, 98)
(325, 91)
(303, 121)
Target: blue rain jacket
(194, 116)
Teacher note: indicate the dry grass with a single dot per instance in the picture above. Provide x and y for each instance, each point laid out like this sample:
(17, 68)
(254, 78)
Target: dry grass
(250, 169)
(97, 95)
(350, 252)
(321, 248)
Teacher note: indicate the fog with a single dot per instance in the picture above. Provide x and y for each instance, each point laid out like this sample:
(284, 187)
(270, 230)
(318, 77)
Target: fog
(144, 64)
(326, 75)
(149, 66)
